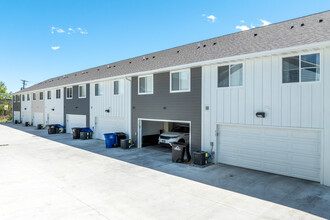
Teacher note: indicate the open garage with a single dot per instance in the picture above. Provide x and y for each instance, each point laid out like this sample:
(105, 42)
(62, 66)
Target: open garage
(163, 132)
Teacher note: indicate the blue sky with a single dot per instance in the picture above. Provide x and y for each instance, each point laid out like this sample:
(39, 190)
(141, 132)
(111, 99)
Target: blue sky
(43, 39)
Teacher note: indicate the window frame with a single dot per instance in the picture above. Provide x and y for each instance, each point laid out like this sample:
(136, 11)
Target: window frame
(66, 92)
(189, 80)
(28, 97)
(118, 87)
(34, 96)
(23, 98)
(301, 54)
(79, 96)
(14, 98)
(49, 95)
(41, 99)
(229, 64)
(58, 93)
(152, 85)
(100, 85)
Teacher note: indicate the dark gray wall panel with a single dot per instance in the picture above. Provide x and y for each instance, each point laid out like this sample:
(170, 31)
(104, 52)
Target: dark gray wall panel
(76, 105)
(185, 106)
(17, 107)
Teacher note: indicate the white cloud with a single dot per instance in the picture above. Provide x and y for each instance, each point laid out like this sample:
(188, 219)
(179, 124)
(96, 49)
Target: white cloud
(58, 30)
(55, 47)
(242, 21)
(210, 18)
(264, 22)
(242, 27)
(82, 31)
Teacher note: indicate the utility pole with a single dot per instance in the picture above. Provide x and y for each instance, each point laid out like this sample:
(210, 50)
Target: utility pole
(24, 83)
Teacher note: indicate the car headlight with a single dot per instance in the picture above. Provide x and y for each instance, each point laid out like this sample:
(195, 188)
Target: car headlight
(175, 137)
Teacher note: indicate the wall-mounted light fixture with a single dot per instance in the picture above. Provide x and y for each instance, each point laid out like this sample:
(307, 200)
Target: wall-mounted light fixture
(107, 110)
(53, 109)
(261, 114)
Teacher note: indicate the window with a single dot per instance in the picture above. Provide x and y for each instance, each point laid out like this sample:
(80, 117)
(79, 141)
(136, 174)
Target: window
(28, 97)
(34, 96)
(180, 81)
(23, 98)
(69, 93)
(58, 93)
(146, 85)
(116, 87)
(303, 68)
(230, 75)
(82, 91)
(98, 89)
(41, 95)
(49, 94)
(18, 98)
(14, 98)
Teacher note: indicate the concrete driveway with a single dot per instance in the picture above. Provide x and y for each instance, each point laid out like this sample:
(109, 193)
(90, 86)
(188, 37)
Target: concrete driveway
(54, 177)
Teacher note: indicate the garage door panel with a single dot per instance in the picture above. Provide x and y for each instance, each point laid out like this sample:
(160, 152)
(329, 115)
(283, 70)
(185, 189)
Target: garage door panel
(75, 121)
(108, 125)
(282, 151)
(38, 118)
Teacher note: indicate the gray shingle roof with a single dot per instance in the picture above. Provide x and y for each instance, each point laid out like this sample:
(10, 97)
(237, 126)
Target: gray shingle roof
(309, 29)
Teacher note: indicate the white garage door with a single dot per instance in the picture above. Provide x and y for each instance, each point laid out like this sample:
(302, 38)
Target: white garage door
(38, 118)
(75, 121)
(53, 118)
(26, 116)
(288, 152)
(17, 115)
(108, 125)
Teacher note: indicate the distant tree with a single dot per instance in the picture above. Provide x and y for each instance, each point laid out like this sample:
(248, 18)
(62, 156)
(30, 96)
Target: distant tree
(4, 96)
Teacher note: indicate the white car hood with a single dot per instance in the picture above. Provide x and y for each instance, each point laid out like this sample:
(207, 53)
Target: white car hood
(171, 134)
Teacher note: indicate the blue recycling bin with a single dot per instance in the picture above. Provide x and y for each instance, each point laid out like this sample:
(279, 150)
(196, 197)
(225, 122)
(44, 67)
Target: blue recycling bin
(110, 139)
(88, 131)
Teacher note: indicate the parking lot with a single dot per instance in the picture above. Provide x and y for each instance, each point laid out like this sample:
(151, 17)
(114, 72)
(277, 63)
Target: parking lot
(55, 177)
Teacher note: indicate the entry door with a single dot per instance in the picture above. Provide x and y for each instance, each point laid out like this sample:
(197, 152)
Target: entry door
(289, 152)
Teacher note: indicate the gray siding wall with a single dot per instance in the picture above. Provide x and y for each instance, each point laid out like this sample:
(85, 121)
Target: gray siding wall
(185, 106)
(77, 106)
(17, 107)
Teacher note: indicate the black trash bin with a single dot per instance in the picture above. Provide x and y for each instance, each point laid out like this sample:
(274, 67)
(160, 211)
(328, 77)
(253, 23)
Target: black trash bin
(199, 158)
(16, 121)
(125, 143)
(76, 133)
(120, 135)
(39, 126)
(178, 151)
(27, 124)
(51, 129)
(83, 135)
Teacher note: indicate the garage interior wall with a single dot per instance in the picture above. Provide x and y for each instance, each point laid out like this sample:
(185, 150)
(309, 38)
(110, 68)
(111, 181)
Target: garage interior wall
(54, 108)
(119, 106)
(76, 105)
(163, 105)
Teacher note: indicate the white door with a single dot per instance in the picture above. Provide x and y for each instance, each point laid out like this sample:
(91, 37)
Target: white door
(53, 118)
(38, 118)
(17, 115)
(75, 121)
(287, 152)
(26, 116)
(108, 125)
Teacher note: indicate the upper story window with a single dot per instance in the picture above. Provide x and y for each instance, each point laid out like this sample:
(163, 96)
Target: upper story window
(230, 75)
(180, 81)
(82, 91)
(49, 94)
(116, 87)
(14, 98)
(41, 96)
(28, 97)
(302, 68)
(58, 93)
(23, 98)
(146, 84)
(98, 89)
(34, 96)
(69, 93)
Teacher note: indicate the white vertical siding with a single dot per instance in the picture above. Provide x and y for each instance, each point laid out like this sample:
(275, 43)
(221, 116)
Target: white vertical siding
(54, 108)
(119, 105)
(26, 109)
(295, 105)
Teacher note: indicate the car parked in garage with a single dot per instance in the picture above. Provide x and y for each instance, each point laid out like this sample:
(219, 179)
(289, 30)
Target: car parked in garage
(179, 133)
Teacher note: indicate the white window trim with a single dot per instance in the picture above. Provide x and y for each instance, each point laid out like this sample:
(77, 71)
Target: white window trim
(302, 54)
(229, 64)
(152, 85)
(56, 93)
(189, 79)
(114, 87)
(50, 95)
(66, 92)
(34, 96)
(101, 84)
(43, 98)
(28, 99)
(81, 97)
